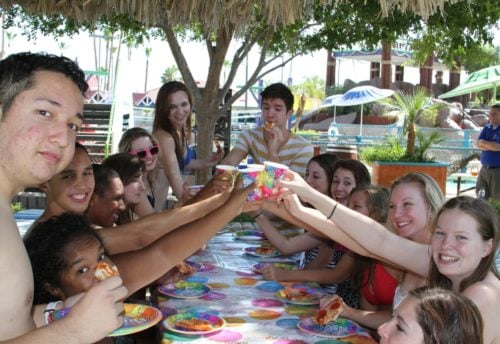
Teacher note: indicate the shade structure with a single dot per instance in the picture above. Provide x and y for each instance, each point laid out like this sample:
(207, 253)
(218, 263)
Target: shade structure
(361, 95)
(484, 79)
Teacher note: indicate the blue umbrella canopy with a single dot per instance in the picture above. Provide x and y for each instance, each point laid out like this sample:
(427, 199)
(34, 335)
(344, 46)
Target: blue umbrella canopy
(361, 95)
(481, 80)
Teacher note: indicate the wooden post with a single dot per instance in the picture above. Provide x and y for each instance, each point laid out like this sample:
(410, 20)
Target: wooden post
(330, 70)
(454, 81)
(386, 61)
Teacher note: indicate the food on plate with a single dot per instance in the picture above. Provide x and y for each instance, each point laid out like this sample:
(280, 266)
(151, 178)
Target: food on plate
(104, 271)
(269, 125)
(267, 251)
(296, 294)
(185, 269)
(194, 324)
(330, 312)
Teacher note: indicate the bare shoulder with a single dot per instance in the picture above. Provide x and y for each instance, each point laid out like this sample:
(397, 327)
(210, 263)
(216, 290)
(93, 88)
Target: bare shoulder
(162, 135)
(485, 293)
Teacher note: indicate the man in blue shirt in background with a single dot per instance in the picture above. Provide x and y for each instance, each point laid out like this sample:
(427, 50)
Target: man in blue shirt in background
(489, 143)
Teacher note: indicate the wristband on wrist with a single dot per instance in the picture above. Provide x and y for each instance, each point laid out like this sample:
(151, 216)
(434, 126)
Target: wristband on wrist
(333, 210)
(49, 309)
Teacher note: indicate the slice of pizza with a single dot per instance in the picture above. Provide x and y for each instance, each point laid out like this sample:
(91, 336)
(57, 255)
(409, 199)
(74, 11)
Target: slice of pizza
(185, 268)
(104, 271)
(194, 324)
(218, 146)
(266, 251)
(296, 294)
(330, 312)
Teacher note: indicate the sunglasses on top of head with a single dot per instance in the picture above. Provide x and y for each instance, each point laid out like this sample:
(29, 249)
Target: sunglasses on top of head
(142, 153)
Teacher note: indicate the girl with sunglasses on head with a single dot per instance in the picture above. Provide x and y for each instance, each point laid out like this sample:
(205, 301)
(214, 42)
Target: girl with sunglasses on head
(140, 143)
(459, 254)
(172, 129)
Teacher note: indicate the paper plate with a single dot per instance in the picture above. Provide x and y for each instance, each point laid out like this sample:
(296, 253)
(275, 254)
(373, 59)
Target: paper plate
(216, 323)
(334, 329)
(257, 268)
(300, 296)
(137, 318)
(196, 266)
(184, 290)
(255, 251)
(249, 235)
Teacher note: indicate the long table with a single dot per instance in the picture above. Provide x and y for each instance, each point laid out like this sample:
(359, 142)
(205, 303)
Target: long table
(242, 298)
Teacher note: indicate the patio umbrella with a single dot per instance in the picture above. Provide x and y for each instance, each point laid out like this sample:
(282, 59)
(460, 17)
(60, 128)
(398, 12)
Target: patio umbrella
(361, 95)
(481, 80)
(328, 101)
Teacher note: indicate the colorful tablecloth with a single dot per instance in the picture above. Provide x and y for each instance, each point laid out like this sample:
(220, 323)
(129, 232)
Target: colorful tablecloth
(249, 305)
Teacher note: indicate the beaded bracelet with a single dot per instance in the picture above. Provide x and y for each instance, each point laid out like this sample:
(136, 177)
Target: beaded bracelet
(49, 309)
(333, 211)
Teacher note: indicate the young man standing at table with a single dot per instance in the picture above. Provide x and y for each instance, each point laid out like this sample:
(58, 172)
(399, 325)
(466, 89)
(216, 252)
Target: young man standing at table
(41, 99)
(489, 143)
(273, 141)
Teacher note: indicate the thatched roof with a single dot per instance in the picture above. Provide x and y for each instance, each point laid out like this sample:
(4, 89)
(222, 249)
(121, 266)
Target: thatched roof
(209, 12)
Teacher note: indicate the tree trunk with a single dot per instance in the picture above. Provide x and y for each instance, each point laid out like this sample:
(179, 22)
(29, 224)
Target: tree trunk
(386, 64)
(426, 73)
(410, 144)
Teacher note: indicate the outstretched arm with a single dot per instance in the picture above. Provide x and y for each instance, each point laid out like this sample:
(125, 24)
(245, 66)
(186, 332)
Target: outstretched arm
(142, 232)
(320, 224)
(320, 275)
(171, 249)
(284, 244)
(367, 233)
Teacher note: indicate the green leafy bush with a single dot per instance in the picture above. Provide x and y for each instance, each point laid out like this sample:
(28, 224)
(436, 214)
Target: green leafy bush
(15, 207)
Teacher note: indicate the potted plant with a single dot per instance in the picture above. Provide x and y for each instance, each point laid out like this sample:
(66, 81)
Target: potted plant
(407, 153)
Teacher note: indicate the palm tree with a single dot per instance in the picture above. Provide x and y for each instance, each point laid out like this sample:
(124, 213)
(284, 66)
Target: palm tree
(147, 52)
(171, 73)
(411, 106)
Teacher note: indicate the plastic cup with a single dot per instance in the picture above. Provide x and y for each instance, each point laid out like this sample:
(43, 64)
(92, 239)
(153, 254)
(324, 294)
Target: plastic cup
(232, 170)
(275, 172)
(250, 175)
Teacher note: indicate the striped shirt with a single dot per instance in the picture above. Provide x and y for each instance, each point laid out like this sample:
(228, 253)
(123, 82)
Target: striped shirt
(295, 153)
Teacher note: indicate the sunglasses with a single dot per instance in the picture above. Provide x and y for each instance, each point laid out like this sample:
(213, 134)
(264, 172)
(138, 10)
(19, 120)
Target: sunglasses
(142, 153)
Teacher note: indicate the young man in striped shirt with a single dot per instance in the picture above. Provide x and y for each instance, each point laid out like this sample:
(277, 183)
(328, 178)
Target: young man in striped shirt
(273, 141)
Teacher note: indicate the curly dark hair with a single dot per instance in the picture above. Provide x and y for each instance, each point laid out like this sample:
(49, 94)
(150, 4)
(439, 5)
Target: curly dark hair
(16, 73)
(46, 244)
